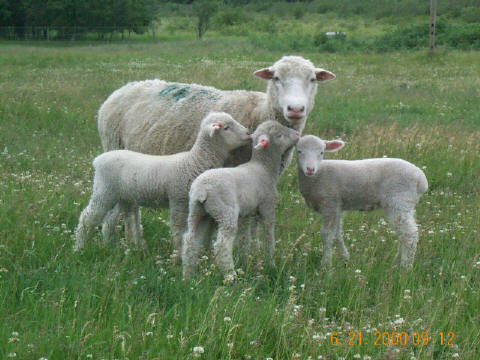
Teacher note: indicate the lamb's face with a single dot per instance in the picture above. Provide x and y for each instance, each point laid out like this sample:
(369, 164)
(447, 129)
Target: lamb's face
(293, 85)
(275, 136)
(310, 151)
(232, 133)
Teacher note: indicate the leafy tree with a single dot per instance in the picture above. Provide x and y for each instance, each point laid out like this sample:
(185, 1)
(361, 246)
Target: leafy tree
(203, 10)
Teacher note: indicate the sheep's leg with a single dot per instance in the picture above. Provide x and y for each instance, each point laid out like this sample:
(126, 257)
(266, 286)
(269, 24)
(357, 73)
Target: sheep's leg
(267, 216)
(341, 248)
(328, 234)
(110, 222)
(192, 239)
(223, 247)
(244, 238)
(178, 224)
(90, 217)
(403, 221)
(133, 227)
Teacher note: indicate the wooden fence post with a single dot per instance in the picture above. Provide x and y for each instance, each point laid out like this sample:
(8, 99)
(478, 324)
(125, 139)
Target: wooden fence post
(433, 15)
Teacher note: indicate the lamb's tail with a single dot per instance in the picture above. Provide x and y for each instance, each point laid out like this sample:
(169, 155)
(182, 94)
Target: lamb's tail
(422, 183)
(198, 194)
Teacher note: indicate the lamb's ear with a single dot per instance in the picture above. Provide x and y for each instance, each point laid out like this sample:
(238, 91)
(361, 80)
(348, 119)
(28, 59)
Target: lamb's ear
(334, 145)
(265, 73)
(324, 75)
(262, 142)
(215, 127)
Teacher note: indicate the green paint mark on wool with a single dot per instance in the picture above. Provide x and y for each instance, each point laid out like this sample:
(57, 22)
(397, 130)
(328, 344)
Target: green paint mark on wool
(180, 94)
(168, 90)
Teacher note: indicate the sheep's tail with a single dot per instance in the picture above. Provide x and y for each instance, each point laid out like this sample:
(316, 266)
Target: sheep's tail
(422, 183)
(109, 131)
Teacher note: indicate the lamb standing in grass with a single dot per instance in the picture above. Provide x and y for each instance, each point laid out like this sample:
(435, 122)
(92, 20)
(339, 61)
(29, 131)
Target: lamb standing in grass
(224, 195)
(125, 180)
(333, 186)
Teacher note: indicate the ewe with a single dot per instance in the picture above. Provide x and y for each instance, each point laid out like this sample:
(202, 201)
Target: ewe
(159, 117)
(333, 186)
(125, 180)
(224, 195)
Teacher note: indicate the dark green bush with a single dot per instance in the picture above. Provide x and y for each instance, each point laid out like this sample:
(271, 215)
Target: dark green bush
(464, 36)
(229, 16)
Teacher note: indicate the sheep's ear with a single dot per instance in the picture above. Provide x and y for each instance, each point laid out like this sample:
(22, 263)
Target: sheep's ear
(262, 142)
(265, 73)
(215, 127)
(334, 145)
(324, 75)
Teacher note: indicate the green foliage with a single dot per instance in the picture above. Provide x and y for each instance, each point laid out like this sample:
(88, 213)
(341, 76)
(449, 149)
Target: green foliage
(204, 10)
(471, 14)
(298, 11)
(73, 18)
(464, 36)
(230, 16)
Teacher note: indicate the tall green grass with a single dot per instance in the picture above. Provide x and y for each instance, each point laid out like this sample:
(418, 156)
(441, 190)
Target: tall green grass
(117, 302)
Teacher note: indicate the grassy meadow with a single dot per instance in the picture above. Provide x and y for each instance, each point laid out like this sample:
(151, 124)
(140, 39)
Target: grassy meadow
(122, 303)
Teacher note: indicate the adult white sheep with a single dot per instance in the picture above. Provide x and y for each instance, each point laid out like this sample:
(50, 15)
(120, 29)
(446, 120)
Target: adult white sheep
(333, 186)
(125, 180)
(159, 117)
(223, 195)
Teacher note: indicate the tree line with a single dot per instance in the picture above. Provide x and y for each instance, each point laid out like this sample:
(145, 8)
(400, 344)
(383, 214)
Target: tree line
(71, 18)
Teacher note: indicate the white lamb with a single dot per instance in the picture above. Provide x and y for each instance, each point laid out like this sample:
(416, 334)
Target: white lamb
(125, 180)
(224, 195)
(333, 186)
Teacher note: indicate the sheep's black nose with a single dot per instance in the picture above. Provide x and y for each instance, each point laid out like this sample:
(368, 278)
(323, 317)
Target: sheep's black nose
(297, 109)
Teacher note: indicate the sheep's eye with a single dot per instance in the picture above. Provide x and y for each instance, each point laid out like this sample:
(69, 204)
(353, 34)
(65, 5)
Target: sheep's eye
(299, 151)
(226, 127)
(279, 135)
(321, 153)
(276, 78)
(313, 80)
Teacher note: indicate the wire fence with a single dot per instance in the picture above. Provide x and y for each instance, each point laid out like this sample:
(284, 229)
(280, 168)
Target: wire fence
(73, 33)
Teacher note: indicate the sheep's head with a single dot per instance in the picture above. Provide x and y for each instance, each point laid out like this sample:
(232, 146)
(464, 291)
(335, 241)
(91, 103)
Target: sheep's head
(292, 87)
(275, 137)
(310, 151)
(224, 127)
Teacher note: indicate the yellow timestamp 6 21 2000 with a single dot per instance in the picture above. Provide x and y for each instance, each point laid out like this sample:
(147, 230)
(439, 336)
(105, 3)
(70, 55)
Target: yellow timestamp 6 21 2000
(393, 338)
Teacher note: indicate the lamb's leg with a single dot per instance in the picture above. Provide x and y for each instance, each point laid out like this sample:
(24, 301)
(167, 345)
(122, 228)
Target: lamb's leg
(403, 221)
(223, 247)
(244, 238)
(192, 239)
(133, 226)
(341, 248)
(178, 223)
(269, 234)
(328, 234)
(90, 217)
(110, 222)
